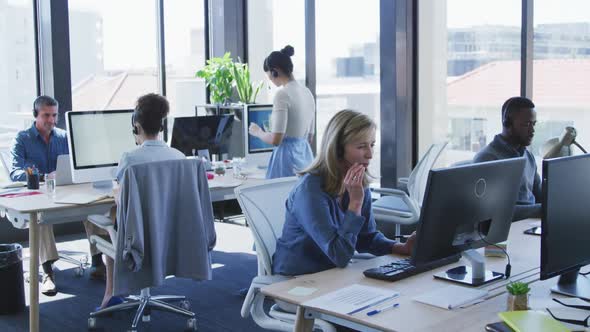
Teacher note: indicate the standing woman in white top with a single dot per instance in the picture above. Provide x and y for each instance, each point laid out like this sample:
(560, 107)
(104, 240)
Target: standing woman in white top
(292, 119)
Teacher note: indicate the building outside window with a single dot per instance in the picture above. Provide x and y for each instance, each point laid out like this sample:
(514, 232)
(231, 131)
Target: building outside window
(18, 86)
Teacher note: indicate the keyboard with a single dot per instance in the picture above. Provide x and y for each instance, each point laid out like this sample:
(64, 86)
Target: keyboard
(403, 268)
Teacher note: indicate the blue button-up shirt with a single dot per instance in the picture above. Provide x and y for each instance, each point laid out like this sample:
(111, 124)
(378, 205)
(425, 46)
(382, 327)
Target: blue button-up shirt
(320, 233)
(30, 149)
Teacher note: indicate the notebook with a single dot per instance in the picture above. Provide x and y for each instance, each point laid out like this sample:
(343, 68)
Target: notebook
(10, 184)
(450, 297)
(81, 198)
(526, 320)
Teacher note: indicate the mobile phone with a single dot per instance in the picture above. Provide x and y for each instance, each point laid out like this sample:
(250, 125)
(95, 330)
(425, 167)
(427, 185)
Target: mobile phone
(498, 327)
(533, 231)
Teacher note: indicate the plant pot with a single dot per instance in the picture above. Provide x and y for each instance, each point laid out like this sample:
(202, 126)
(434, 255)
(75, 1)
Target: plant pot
(518, 302)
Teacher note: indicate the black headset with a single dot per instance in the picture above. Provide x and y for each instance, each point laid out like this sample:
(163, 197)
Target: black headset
(273, 72)
(506, 119)
(135, 131)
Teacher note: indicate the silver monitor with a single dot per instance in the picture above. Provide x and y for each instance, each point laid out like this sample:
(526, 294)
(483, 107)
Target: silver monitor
(97, 140)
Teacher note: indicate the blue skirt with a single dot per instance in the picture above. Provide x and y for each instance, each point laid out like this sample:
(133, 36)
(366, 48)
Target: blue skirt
(292, 155)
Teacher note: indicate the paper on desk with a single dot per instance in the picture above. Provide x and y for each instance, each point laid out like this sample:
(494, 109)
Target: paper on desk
(351, 299)
(10, 184)
(302, 291)
(80, 198)
(225, 183)
(451, 297)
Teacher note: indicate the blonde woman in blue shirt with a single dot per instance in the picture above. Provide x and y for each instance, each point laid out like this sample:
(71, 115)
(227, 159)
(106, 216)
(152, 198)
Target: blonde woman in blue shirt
(329, 213)
(292, 118)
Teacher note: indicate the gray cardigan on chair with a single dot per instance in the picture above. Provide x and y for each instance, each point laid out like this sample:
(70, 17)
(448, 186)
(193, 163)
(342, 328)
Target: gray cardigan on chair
(165, 225)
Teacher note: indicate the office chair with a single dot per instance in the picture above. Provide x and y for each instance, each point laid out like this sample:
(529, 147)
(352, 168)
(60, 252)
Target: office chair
(400, 208)
(264, 207)
(158, 198)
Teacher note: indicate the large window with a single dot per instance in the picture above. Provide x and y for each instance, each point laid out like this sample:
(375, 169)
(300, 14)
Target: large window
(17, 68)
(469, 64)
(347, 53)
(560, 79)
(113, 52)
(273, 24)
(184, 31)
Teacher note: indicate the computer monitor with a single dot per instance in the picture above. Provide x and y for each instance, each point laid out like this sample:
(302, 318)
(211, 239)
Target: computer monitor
(257, 152)
(464, 208)
(565, 247)
(97, 140)
(212, 133)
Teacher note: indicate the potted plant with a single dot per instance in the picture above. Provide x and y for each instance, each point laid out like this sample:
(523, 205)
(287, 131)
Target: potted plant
(218, 77)
(246, 92)
(518, 296)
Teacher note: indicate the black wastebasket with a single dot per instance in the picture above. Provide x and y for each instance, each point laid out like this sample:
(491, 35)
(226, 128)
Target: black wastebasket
(11, 279)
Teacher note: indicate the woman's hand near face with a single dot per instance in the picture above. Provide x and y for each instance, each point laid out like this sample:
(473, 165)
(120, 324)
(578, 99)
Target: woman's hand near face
(255, 129)
(353, 182)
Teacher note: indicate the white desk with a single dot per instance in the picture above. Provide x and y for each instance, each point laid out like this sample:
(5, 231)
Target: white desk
(28, 211)
(524, 252)
(222, 187)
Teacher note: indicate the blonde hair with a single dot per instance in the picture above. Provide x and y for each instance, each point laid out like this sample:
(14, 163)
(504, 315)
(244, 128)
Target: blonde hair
(345, 127)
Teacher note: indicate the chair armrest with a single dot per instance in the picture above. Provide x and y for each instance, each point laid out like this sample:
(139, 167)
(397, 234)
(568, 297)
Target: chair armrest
(407, 217)
(402, 184)
(101, 221)
(257, 283)
(389, 191)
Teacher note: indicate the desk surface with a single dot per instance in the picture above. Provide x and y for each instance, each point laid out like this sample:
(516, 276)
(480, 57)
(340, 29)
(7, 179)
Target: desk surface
(524, 253)
(44, 202)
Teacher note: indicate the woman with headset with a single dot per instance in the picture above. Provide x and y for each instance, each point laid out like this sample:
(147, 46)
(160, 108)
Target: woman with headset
(147, 122)
(329, 213)
(292, 118)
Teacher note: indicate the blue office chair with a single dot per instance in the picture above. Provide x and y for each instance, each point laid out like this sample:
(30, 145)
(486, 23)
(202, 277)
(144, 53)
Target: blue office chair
(400, 208)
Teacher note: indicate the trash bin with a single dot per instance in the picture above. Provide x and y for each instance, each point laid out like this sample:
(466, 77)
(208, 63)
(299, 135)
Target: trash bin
(11, 279)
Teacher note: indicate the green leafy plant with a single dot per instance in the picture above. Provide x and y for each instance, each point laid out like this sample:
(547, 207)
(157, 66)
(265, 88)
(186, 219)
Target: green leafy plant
(518, 288)
(246, 92)
(218, 77)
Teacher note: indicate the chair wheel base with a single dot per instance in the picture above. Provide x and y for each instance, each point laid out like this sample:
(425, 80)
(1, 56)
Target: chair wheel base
(191, 324)
(91, 323)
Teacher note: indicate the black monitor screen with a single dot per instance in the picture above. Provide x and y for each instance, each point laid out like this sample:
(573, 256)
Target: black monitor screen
(565, 245)
(464, 204)
(212, 132)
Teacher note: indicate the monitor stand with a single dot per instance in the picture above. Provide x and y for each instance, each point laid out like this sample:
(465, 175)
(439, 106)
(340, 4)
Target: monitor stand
(573, 284)
(105, 185)
(474, 275)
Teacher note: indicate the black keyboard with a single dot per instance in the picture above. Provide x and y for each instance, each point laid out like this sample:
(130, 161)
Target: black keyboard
(402, 268)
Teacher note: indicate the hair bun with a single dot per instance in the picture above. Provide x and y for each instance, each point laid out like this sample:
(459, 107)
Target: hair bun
(288, 50)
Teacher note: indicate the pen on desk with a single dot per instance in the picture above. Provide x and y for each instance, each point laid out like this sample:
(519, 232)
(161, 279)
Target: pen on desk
(376, 311)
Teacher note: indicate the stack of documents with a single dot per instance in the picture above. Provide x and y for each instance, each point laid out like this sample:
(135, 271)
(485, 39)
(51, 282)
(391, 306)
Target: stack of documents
(81, 198)
(352, 299)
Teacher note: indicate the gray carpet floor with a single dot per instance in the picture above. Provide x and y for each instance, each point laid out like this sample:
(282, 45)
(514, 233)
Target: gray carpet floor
(216, 302)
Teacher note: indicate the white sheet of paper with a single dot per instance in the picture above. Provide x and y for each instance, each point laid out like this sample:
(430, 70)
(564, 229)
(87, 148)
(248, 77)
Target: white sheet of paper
(302, 291)
(352, 299)
(224, 183)
(450, 297)
(80, 198)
